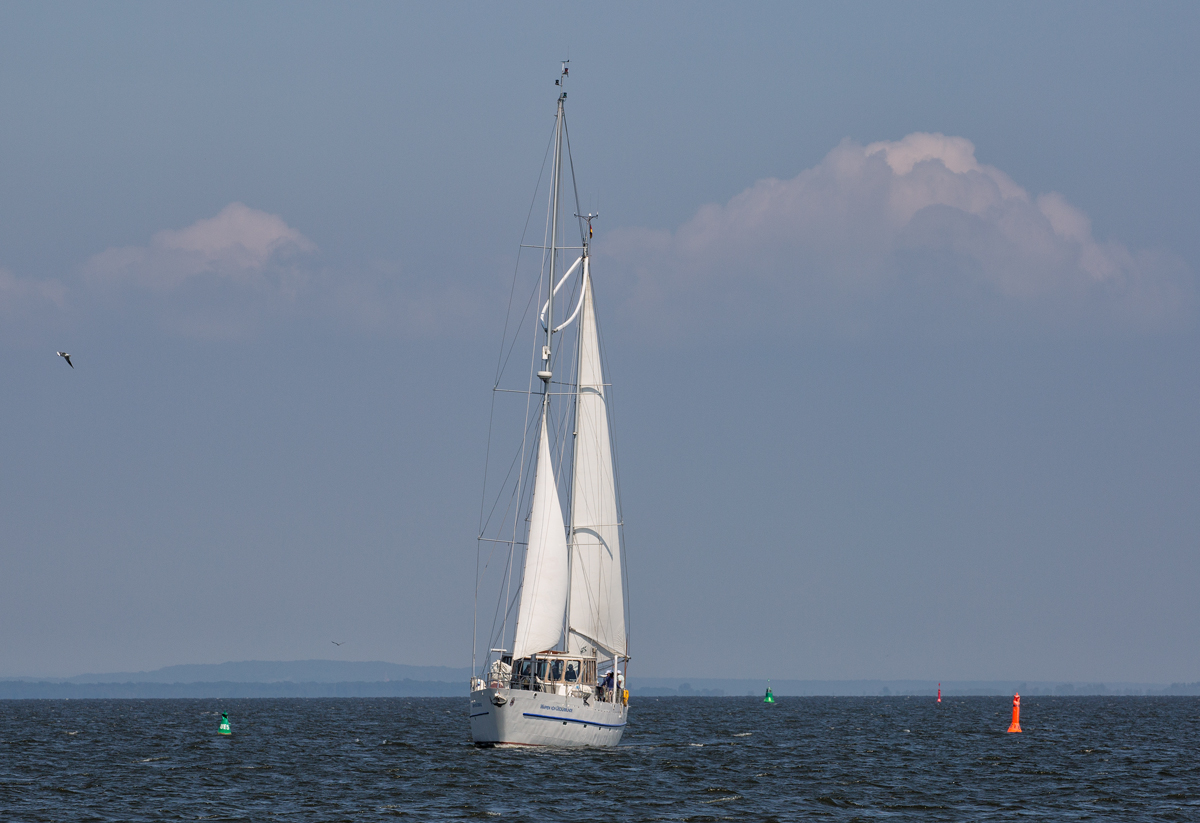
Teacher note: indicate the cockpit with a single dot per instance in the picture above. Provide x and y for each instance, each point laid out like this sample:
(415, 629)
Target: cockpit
(556, 674)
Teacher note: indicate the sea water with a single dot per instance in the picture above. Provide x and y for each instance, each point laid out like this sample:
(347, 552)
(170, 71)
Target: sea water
(685, 759)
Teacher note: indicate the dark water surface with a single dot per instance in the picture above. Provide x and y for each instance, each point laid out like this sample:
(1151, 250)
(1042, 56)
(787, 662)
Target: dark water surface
(698, 759)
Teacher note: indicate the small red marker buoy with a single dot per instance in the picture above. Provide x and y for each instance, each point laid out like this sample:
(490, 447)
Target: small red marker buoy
(939, 692)
(1015, 726)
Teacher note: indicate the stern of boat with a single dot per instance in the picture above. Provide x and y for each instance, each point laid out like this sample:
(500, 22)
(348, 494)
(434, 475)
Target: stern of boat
(519, 717)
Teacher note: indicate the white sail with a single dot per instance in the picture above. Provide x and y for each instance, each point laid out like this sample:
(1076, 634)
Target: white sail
(544, 583)
(597, 616)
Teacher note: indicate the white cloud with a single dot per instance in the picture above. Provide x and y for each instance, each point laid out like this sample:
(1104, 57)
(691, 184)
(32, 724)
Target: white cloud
(229, 275)
(222, 276)
(890, 233)
(239, 243)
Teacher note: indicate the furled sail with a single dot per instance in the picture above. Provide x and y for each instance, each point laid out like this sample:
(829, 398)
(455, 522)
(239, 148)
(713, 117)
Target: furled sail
(544, 583)
(597, 619)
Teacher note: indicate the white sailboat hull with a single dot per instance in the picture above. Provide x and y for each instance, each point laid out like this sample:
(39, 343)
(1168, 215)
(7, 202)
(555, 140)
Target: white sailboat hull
(528, 718)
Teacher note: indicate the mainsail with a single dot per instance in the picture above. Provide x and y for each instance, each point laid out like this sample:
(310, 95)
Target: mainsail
(544, 583)
(597, 605)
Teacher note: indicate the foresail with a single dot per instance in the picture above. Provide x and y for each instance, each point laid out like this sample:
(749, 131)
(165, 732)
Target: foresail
(544, 582)
(597, 619)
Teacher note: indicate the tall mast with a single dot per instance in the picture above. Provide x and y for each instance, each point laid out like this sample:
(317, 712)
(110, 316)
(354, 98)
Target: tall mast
(545, 374)
(561, 82)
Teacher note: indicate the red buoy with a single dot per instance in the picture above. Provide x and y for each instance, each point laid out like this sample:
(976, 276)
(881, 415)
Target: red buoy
(1015, 726)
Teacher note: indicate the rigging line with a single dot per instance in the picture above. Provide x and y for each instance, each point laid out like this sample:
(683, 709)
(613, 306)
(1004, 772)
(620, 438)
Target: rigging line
(504, 516)
(529, 216)
(560, 443)
(496, 617)
(524, 435)
(492, 551)
(532, 366)
(574, 375)
(499, 494)
(573, 410)
(499, 641)
(475, 641)
(512, 497)
(517, 265)
(521, 474)
(510, 569)
(517, 508)
(574, 183)
(500, 361)
(505, 577)
(475, 611)
(568, 413)
(517, 333)
(610, 407)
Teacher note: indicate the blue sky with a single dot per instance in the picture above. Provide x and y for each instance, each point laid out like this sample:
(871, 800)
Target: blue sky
(900, 304)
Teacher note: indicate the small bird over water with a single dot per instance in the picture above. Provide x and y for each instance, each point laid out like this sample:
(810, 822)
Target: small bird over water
(334, 642)
(63, 354)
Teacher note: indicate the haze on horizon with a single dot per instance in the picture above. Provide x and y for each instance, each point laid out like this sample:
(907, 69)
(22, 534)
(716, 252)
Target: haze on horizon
(900, 306)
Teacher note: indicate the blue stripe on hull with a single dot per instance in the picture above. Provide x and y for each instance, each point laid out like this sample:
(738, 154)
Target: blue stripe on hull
(573, 720)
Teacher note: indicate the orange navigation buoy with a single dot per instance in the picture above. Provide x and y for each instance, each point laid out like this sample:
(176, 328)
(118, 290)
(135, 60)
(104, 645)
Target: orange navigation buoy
(1015, 726)
(939, 692)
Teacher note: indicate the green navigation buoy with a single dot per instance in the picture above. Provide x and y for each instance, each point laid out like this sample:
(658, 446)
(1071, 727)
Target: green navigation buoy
(224, 728)
(770, 698)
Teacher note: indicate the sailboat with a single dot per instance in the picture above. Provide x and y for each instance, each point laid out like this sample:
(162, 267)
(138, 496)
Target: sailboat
(555, 676)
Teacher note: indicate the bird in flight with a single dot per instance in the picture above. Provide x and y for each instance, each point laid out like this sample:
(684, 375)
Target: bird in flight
(334, 642)
(68, 358)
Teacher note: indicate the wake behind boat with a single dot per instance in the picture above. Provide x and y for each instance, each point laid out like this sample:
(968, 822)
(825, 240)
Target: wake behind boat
(555, 675)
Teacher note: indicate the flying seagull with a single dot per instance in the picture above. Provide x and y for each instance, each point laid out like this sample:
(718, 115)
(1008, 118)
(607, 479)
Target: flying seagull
(334, 642)
(68, 358)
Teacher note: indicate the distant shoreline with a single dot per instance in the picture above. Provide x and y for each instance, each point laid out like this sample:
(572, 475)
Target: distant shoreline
(44, 690)
(41, 690)
(339, 678)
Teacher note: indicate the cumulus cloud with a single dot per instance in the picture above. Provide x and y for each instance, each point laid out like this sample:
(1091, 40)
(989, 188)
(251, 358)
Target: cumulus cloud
(219, 277)
(240, 244)
(231, 274)
(893, 232)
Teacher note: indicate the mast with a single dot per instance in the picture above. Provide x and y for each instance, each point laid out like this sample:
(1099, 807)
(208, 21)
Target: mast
(547, 558)
(547, 350)
(542, 618)
(545, 374)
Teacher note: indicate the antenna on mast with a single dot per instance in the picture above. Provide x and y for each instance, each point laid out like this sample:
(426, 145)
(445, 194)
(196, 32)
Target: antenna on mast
(588, 218)
(562, 77)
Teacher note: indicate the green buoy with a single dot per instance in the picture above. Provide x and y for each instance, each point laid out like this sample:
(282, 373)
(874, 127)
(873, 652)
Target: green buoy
(224, 728)
(770, 698)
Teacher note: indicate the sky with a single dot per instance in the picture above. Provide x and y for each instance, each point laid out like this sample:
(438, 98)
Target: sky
(899, 302)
